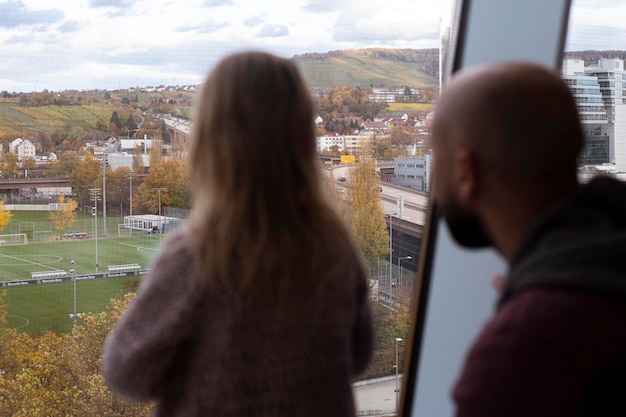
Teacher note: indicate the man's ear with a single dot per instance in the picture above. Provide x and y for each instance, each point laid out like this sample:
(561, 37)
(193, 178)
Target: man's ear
(466, 175)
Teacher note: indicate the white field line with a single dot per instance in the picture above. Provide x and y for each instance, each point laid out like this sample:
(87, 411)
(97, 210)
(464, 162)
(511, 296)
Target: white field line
(139, 248)
(27, 261)
(27, 322)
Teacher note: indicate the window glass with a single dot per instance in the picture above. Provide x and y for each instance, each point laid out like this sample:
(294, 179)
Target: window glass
(95, 113)
(593, 67)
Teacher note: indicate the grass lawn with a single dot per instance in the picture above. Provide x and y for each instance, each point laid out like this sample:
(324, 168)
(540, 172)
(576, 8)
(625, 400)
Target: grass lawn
(35, 308)
(412, 109)
(17, 262)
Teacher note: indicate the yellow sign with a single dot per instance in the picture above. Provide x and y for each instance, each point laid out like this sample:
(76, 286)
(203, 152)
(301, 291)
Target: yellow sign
(347, 159)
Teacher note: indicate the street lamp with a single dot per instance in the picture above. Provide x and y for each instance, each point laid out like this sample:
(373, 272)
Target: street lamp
(160, 220)
(391, 214)
(400, 259)
(398, 340)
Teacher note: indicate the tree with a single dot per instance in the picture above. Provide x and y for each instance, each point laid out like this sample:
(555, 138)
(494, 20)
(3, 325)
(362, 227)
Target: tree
(118, 188)
(45, 140)
(10, 165)
(58, 375)
(367, 218)
(86, 175)
(156, 152)
(65, 216)
(66, 163)
(171, 175)
(29, 163)
(403, 136)
(131, 123)
(5, 216)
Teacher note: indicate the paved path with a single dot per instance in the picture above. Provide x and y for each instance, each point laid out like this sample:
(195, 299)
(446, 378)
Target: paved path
(376, 397)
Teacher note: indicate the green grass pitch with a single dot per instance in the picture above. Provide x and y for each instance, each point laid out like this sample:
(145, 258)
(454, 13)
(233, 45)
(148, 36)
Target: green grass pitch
(37, 308)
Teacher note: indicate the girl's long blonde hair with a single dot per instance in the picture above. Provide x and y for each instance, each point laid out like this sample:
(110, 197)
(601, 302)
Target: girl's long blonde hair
(258, 204)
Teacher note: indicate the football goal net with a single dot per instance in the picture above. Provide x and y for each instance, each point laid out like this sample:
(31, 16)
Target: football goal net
(13, 239)
(42, 235)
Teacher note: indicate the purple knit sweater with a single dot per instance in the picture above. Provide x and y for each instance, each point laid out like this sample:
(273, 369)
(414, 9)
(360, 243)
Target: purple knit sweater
(214, 352)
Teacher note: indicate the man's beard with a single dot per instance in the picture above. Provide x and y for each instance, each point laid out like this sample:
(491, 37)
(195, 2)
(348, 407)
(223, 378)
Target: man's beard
(466, 228)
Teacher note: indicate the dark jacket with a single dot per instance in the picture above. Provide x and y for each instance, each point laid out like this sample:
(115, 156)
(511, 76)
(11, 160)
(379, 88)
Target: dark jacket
(557, 343)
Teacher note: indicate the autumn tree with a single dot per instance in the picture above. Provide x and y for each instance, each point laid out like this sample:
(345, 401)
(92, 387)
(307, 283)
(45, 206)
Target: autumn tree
(65, 164)
(65, 216)
(367, 218)
(403, 136)
(5, 216)
(51, 374)
(118, 188)
(9, 169)
(29, 163)
(171, 175)
(88, 174)
(156, 152)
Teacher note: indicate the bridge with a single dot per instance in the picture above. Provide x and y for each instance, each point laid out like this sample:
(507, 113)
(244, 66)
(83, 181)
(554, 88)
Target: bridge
(48, 182)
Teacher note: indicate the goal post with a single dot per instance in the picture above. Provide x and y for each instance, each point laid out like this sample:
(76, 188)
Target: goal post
(13, 239)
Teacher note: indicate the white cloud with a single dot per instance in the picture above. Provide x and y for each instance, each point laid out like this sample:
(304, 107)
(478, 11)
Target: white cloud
(57, 44)
(216, 3)
(273, 31)
(15, 13)
(597, 25)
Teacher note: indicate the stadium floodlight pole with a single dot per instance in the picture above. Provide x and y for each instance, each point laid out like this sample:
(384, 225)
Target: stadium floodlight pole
(104, 194)
(130, 200)
(160, 219)
(400, 268)
(398, 340)
(95, 193)
(74, 279)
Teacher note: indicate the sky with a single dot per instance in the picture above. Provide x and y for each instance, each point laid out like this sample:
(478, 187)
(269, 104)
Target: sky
(110, 44)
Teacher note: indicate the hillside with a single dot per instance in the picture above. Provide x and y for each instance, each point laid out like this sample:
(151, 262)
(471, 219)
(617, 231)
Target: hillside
(592, 57)
(14, 117)
(371, 67)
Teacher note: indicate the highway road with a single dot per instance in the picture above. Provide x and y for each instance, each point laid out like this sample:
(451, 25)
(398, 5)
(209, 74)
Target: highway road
(415, 202)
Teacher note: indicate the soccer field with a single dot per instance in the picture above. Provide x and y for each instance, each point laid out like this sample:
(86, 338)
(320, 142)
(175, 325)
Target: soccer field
(35, 308)
(18, 262)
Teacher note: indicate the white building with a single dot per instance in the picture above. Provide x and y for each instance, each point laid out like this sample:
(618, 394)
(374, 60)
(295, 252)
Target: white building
(23, 148)
(620, 138)
(413, 172)
(597, 90)
(130, 145)
(328, 143)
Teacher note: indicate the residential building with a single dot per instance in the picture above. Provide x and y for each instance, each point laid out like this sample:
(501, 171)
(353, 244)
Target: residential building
(23, 148)
(329, 143)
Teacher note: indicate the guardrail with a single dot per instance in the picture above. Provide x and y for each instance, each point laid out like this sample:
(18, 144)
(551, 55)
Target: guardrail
(68, 278)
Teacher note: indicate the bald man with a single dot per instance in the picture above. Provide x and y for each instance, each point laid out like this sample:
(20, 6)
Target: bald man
(506, 138)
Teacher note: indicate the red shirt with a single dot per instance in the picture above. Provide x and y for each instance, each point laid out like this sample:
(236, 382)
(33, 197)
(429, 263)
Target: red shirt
(539, 354)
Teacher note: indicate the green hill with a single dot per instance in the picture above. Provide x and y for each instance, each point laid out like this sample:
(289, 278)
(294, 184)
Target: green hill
(14, 117)
(371, 67)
